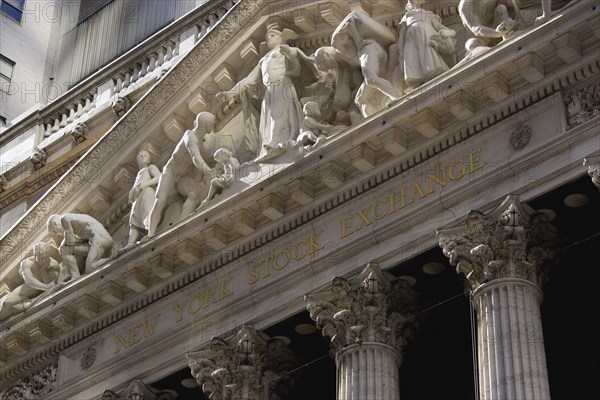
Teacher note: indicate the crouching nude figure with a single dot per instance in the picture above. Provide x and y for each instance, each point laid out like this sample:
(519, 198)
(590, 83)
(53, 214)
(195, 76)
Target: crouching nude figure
(84, 238)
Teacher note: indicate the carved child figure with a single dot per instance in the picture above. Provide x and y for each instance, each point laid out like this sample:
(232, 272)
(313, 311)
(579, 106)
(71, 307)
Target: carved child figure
(230, 164)
(489, 20)
(312, 131)
(40, 274)
(141, 196)
(83, 236)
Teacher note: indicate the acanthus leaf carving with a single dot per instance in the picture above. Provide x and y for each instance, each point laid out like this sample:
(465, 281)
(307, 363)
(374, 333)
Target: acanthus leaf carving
(374, 307)
(250, 365)
(36, 386)
(593, 164)
(512, 241)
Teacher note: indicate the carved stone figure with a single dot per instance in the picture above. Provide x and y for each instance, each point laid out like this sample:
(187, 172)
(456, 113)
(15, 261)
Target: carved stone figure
(142, 196)
(40, 274)
(121, 106)
(78, 133)
(489, 20)
(336, 89)
(229, 165)
(312, 130)
(185, 171)
(283, 72)
(38, 158)
(37, 385)
(85, 245)
(546, 11)
(363, 42)
(425, 46)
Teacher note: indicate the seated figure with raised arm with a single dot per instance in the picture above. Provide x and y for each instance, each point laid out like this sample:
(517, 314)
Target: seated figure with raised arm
(40, 273)
(83, 238)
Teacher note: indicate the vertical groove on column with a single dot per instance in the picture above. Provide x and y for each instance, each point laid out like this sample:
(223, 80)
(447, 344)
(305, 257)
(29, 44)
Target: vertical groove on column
(525, 353)
(516, 343)
(507, 340)
(363, 371)
(379, 370)
(531, 305)
(484, 363)
(368, 371)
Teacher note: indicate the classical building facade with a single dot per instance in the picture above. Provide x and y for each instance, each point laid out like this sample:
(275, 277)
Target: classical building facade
(305, 200)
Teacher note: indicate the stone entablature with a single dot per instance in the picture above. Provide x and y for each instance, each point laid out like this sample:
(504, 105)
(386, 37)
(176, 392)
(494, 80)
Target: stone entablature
(338, 166)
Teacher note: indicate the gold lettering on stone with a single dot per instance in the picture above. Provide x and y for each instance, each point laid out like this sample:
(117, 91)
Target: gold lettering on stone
(283, 257)
(396, 200)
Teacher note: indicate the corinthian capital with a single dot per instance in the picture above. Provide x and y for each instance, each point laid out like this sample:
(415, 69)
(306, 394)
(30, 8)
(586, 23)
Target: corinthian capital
(512, 241)
(250, 365)
(374, 307)
(593, 164)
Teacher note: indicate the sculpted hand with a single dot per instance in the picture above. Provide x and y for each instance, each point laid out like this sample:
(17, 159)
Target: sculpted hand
(286, 50)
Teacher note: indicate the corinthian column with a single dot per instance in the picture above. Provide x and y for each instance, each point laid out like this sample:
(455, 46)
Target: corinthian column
(248, 366)
(501, 255)
(369, 320)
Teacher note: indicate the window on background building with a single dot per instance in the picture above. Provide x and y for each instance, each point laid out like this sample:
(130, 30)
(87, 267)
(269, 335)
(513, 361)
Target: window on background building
(12, 9)
(6, 71)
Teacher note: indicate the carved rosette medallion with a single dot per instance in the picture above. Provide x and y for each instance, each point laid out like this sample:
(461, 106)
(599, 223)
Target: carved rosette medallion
(520, 137)
(79, 132)
(88, 358)
(38, 158)
(36, 386)
(375, 307)
(138, 390)
(593, 164)
(251, 365)
(513, 241)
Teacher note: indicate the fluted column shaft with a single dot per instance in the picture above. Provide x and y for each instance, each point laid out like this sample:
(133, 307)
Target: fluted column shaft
(369, 318)
(368, 371)
(510, 348)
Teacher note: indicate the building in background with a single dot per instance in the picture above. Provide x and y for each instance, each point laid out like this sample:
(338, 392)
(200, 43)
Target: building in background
(440, 246)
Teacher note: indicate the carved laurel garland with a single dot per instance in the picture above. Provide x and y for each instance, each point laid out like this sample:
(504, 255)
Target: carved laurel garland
(245, 12)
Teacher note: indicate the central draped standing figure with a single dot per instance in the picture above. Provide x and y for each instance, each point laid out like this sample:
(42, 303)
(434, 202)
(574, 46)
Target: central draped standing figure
(278, 77)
